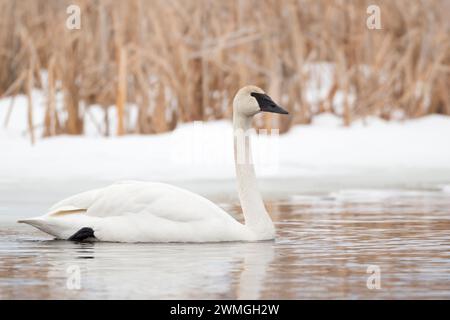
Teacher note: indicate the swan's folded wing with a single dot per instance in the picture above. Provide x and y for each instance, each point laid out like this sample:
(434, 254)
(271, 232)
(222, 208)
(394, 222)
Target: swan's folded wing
(79, 202)
(127, 198)
(109, 201)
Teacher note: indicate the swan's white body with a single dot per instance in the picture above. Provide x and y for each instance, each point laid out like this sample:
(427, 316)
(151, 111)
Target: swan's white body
(158, 212)
(142, 212)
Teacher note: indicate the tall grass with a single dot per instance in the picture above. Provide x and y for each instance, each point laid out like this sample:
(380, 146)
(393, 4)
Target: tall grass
(182, 60)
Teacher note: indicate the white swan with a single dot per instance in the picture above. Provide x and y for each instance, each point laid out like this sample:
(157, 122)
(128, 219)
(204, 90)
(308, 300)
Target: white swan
(157, 212)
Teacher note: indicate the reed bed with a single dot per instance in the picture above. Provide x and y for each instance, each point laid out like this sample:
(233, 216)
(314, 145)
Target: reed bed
(182, 60)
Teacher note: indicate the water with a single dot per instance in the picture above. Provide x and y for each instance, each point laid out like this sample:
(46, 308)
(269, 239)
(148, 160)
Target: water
(326, 241)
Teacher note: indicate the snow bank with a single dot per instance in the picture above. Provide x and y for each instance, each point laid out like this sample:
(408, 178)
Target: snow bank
(419, 148)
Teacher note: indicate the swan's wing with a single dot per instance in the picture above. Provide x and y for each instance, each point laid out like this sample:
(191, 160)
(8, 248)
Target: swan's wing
(125, 198)
(79, 202)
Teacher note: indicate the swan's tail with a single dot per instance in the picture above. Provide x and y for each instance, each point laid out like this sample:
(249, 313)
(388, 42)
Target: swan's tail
(44, 224)
(60, 226)
(35, 222)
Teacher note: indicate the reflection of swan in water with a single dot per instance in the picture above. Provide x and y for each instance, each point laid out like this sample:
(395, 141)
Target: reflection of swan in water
(256, 263)
(162, 271)
(157, 212)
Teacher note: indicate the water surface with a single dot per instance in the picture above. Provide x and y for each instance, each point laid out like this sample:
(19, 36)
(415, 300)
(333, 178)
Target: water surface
(325, 243)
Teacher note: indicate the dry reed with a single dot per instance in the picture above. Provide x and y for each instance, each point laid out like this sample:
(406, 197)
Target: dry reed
(182, 60)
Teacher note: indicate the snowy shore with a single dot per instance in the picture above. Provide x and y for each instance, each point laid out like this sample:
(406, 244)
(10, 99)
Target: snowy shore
(416, 151)
(370, 152)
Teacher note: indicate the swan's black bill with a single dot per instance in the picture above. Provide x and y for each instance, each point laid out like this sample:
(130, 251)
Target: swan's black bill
(266, 103)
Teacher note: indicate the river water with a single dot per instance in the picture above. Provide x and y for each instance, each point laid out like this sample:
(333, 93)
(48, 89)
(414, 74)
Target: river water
(331, 244)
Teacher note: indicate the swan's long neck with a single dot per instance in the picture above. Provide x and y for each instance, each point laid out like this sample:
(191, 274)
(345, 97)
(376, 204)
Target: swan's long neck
(256, 216)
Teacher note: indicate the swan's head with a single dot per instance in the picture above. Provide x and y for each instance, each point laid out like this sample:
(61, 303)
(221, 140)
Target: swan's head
(251, 100)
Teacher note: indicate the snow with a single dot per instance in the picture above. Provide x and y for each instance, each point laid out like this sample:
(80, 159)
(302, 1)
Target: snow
(414, 144)
(371, 149)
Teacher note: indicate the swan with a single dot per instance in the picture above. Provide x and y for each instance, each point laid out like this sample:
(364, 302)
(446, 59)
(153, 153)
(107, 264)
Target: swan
(134, 211)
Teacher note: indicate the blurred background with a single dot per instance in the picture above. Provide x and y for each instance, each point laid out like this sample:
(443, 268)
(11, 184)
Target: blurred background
(144, 66)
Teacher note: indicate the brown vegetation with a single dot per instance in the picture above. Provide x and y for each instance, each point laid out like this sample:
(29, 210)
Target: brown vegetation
(182, 60)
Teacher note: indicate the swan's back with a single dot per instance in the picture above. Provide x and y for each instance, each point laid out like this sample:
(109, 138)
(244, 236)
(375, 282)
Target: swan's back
(134, 197)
